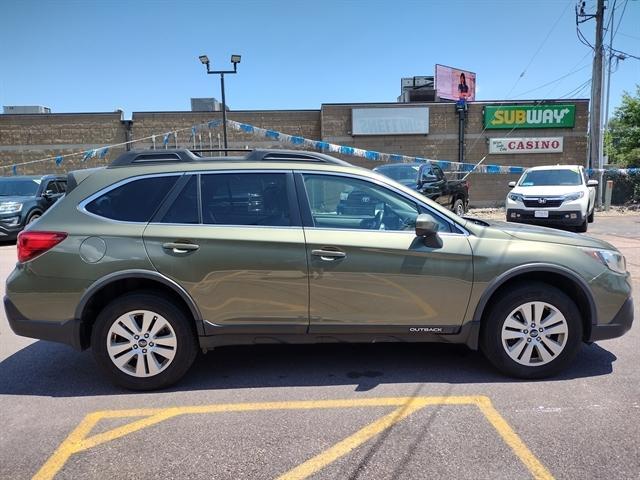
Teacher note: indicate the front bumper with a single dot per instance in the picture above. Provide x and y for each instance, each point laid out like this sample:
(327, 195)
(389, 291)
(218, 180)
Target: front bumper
(620, 324)
(68, 332)
(9, 231)
(556, 217)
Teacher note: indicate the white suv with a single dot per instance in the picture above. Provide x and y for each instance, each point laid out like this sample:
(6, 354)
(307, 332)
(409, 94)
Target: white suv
(553, 195)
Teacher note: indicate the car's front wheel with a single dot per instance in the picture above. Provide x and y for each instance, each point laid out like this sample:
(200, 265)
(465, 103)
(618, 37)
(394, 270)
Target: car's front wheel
(533, 331)
(143, 342)
(32, 217)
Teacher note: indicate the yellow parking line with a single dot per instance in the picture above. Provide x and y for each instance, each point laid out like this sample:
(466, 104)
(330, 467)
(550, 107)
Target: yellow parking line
(342, 448)
(68, 447)
(79, 439)
(510, 437)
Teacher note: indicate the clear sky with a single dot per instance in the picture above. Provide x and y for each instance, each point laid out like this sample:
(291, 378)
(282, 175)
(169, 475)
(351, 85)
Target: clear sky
(137, 55)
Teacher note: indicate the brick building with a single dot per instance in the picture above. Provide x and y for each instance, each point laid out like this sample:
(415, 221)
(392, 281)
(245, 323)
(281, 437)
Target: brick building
(506, 132)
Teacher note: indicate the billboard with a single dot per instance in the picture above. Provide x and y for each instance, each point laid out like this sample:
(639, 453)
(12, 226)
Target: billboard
(390, 121)
(526, 145)
(529, 116)
(455, 84)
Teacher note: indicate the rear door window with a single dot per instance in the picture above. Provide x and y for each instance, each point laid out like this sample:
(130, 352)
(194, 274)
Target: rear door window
(184, 209)
(135, 201)
(245, 199)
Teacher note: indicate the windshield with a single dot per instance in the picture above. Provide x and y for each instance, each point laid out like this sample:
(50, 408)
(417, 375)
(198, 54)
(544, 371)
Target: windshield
(19, 188)
(540, 178)
(400, 173)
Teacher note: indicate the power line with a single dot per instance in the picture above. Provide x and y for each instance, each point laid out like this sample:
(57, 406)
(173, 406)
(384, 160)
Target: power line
(553, 27)
(626, 35)
(557, 79)
(624, 7)
(546, 38)
(625, 54)
(576, 89)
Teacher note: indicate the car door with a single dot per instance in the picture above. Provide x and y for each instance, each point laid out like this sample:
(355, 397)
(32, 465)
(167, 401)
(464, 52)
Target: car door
(445, 192)
(234, 241)
(50, 192)
(368, 270)
(433, 187)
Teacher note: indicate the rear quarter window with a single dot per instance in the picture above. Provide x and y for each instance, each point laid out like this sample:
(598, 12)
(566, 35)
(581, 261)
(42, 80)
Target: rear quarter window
(135, 201)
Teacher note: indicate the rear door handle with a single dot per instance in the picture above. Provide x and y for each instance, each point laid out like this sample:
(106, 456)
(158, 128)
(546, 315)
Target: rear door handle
(328, 255)
(178, 247)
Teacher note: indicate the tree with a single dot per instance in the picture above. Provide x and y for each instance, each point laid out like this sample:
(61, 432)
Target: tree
(623, 135)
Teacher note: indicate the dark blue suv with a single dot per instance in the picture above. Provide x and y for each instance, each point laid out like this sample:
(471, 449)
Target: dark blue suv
(23, 199)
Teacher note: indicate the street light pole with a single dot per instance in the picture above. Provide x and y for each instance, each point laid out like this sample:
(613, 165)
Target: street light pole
(224, 111)
(235, 60)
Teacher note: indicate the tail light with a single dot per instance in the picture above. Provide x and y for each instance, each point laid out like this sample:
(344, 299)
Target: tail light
(32, 244)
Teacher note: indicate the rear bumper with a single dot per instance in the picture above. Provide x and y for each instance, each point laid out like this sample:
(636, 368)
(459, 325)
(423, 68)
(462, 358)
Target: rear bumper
(620, 324)
(68, 332)
(556, 217)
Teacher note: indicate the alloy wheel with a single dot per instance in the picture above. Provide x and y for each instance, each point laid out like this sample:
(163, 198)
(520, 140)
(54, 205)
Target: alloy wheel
(534, 334)
(141, 343)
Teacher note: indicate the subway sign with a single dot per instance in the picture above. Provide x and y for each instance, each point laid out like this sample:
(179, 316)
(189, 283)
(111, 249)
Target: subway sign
(529, 116)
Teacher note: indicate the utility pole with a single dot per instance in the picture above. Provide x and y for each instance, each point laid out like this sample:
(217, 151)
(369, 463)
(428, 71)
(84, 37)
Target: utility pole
(595, 118)
(610, 57)
(461, 110)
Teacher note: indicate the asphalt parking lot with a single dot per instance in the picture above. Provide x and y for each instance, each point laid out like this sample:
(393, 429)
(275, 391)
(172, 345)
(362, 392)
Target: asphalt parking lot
(327, 411)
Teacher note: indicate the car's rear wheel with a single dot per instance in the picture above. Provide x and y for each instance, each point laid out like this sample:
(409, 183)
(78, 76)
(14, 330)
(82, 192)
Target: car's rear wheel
(458, 207)
(143, 342)
(534, 331)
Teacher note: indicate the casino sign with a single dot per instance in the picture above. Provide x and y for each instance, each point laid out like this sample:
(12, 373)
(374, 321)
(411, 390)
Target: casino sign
(525, 145)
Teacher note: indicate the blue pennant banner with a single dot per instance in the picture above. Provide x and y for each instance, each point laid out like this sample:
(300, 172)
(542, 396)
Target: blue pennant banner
(389, 157)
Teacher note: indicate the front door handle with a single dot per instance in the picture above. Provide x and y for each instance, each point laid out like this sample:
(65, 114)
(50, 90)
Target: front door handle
(178, 247)
(328, 255)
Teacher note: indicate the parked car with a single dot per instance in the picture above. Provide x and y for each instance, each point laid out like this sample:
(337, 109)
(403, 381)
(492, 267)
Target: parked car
(560, 195)
(429, 179)
(164, 253)
(23, 199)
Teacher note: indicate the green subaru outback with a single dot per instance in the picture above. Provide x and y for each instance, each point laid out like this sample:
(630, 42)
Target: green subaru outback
(164, 253)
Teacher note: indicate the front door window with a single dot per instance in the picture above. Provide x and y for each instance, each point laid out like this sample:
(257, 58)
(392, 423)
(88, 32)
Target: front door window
(351, 203)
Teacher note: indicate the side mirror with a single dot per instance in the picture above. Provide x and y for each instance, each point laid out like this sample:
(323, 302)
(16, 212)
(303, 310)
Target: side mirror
(425, 227)
(592, 183)
(48, 194)
(426, 178)
(512, 184)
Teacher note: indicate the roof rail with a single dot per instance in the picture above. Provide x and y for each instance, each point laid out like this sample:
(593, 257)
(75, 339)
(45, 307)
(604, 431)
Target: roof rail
(141, 157)
(277, 155)
(154, 156)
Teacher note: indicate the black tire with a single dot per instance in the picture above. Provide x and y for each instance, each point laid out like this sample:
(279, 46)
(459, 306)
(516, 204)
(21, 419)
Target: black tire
(33, 216)
(491, 333)
(458, 207)
(186, 340)
(583, 227)
(590, 217)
